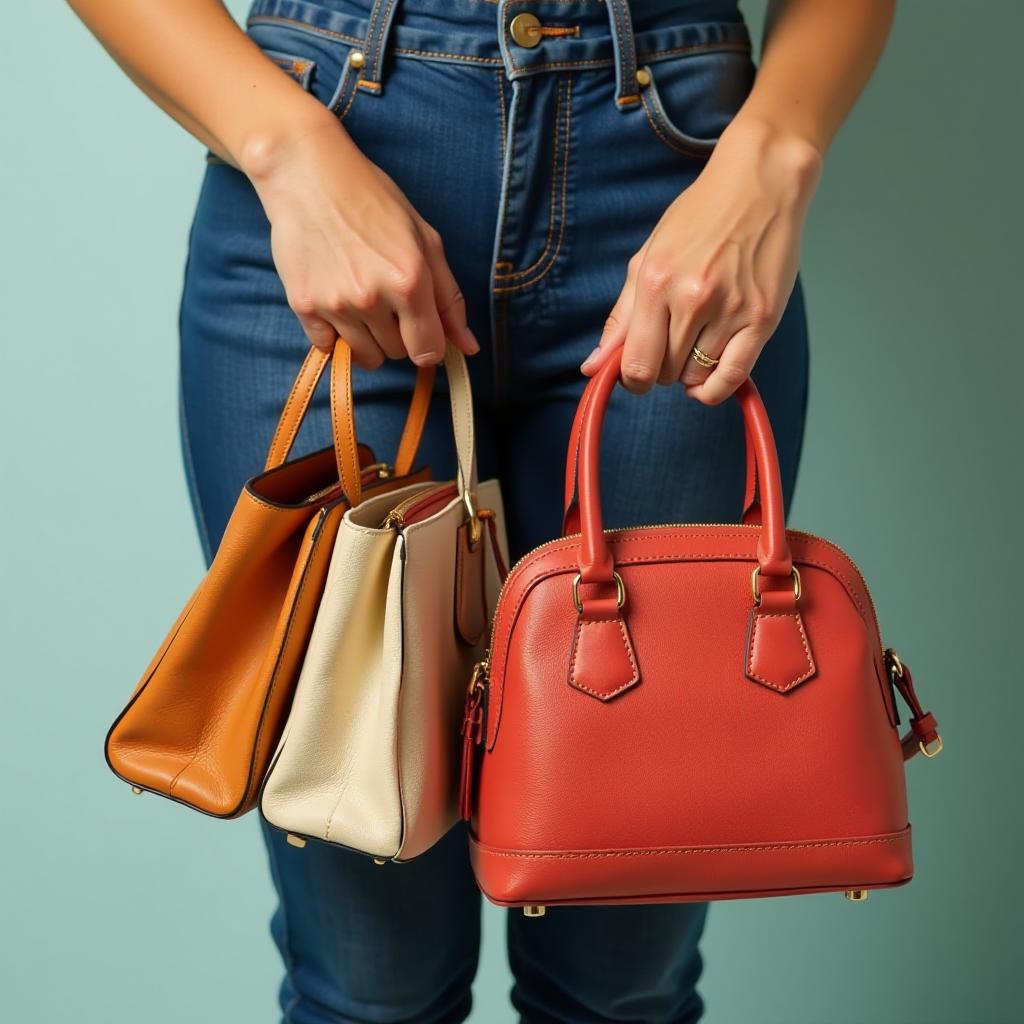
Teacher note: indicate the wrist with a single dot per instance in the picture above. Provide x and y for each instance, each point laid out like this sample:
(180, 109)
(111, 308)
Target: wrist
(268, 149)
(791, 160)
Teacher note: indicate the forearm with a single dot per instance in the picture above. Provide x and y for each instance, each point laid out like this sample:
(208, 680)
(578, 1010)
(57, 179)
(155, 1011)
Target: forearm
(192, 60)
(817, 57)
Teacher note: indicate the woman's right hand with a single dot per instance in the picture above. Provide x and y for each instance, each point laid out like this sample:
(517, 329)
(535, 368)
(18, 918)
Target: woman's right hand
(355, 258)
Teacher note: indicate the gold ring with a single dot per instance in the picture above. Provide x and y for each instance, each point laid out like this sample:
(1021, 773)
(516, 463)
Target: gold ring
(703, 359)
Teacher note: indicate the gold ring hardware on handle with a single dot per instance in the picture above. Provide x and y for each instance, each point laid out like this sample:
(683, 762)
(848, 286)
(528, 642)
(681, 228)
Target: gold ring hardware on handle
(475, 526)
(620, 591)
(931, 749)
(797, 590)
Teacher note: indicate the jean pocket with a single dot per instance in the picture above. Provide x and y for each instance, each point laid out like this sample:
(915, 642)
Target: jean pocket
(327, 65)
(690, 99)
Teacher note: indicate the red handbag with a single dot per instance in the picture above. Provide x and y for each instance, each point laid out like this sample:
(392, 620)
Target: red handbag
(686, 712)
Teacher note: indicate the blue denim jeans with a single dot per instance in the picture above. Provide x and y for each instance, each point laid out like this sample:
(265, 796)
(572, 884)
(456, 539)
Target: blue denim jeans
(544, 167)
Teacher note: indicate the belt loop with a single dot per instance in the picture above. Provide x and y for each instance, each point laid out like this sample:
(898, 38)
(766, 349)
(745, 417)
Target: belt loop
(381, 16)
(627, 89)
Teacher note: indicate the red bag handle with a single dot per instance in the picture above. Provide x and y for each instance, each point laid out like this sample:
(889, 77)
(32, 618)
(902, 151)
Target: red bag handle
(570, 515)
(596, 564)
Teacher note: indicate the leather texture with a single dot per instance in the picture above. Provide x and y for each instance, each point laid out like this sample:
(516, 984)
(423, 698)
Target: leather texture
(206, 714)
(711, 735)
(370, 755)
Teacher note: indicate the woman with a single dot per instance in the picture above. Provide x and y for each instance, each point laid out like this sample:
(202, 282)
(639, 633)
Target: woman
(523, 177)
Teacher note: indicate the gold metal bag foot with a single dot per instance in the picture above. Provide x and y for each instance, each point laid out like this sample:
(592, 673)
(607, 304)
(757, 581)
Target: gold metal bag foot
(296, 841)
(857, 895)
(534, 910)
(137, 790)
(379, 860)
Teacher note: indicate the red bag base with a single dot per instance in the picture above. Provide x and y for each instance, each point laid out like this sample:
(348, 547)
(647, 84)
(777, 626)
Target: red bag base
(512, 878)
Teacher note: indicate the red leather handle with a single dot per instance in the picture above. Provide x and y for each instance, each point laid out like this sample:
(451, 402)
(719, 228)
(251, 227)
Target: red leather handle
(595, 559)
(570, 510)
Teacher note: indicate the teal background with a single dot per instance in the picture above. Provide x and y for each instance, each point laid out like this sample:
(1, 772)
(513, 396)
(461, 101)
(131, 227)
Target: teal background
(120, 909)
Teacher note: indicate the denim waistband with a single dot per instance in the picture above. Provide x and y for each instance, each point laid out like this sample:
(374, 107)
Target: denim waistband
(580, 34)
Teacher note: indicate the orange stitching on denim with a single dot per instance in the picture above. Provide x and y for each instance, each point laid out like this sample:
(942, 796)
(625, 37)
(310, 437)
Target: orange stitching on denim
(365, 83)
(378, 32)
(467, 57)
(556, 148)
(662, 132)
(500, 76)
(562, 216)
(302, 26)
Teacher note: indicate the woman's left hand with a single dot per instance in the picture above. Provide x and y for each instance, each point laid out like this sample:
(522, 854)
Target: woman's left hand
(718, 269)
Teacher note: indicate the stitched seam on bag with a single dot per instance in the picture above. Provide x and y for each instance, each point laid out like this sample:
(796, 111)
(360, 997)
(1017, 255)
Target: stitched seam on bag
(687, 850)
(629, 654)
(782, 688)
(520, 286)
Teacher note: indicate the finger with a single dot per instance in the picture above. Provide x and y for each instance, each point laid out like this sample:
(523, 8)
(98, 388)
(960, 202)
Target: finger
(737, 360)
(382, 323)
(643, 351)
(418, 320)
(448, 297)
(712, 341)
(365, 350)
(685, 327)
(321, 334)
(617, 322)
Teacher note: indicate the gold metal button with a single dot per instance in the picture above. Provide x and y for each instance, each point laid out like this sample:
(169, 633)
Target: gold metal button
(357, 58)
(525, 29)
(643, 78)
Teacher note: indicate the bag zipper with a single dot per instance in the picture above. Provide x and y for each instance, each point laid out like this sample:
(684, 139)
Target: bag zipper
(659, 526)
(375, 471)
(413, 508)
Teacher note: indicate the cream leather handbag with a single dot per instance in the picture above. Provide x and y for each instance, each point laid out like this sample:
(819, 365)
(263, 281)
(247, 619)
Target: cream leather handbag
(369, 757)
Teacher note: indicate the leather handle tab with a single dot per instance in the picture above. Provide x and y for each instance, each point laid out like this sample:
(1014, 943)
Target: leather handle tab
(595, 560)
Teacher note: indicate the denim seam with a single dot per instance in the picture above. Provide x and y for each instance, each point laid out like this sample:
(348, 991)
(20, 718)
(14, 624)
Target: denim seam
(556, 151)
(500, 78)
(522, 285)
(669, 134)
(627, 59)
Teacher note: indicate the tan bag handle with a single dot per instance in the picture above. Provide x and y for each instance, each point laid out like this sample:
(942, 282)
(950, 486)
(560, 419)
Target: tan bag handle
(343, 418)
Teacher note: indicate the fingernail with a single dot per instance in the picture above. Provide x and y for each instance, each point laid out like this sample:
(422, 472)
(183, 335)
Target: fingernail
(590, 360)
(473, 344)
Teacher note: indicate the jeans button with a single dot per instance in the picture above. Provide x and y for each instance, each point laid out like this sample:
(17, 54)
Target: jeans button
(525, 29)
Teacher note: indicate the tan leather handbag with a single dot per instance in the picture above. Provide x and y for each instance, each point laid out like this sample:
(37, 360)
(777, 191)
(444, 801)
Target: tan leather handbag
(369, 758)
(207, 713)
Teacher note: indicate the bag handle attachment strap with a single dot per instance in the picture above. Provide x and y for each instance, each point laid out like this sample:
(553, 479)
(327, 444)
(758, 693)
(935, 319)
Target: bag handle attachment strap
(923, 737)
(603, 662)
